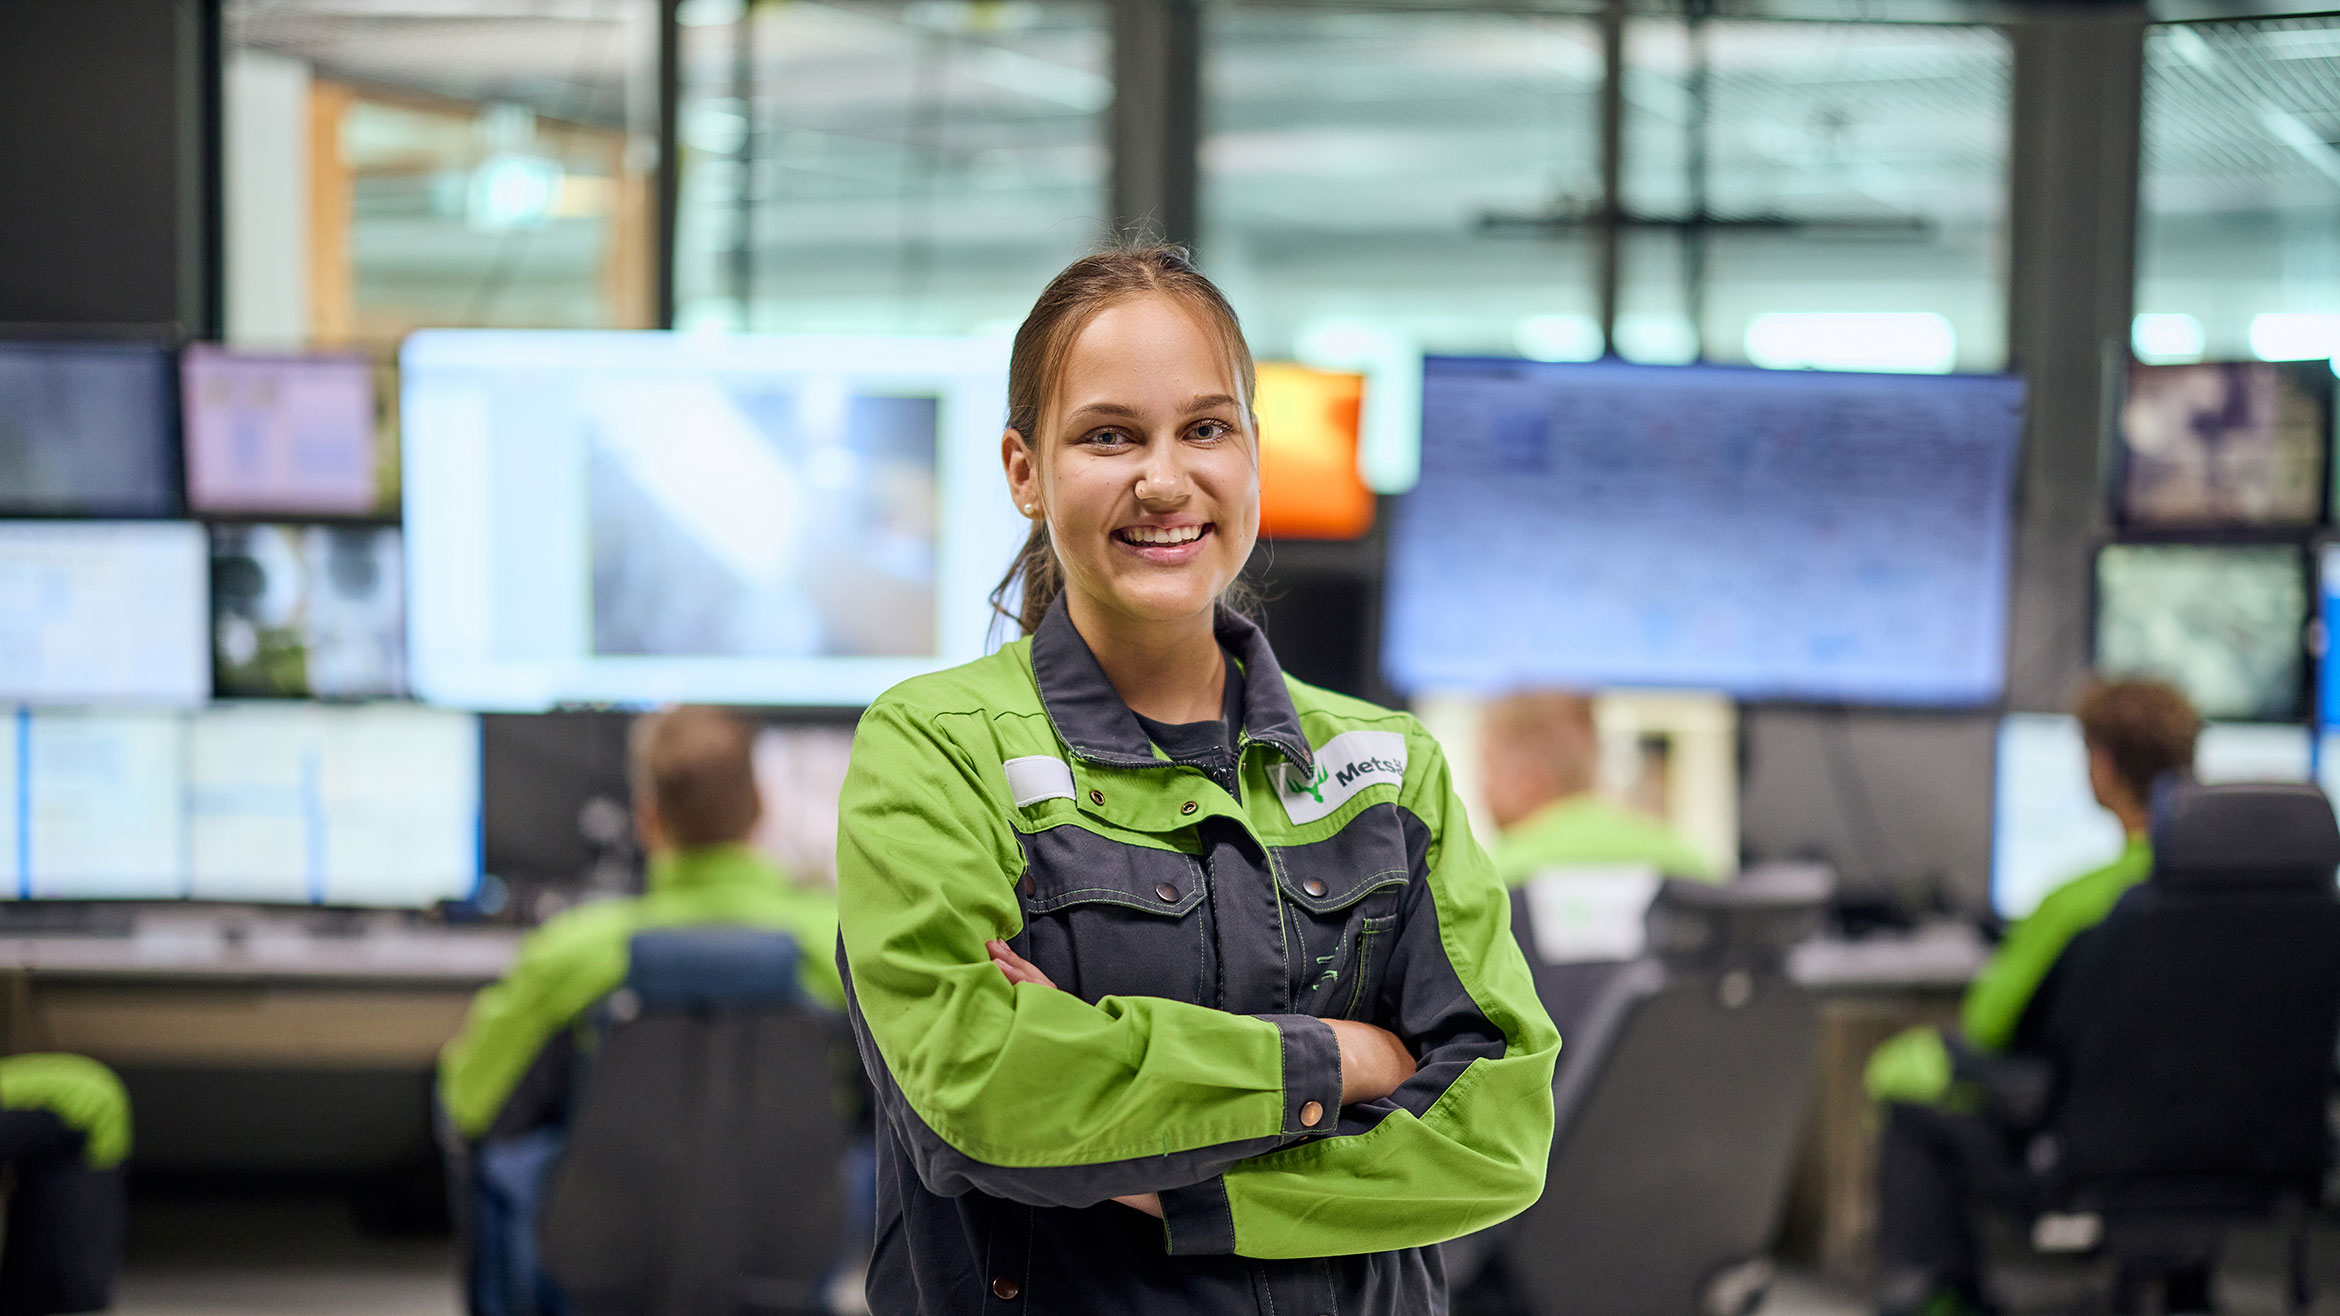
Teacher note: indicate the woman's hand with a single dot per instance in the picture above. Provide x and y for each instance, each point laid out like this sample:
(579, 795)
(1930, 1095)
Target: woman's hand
(1374, 1063)
(1149, 1203)
(1016, 967)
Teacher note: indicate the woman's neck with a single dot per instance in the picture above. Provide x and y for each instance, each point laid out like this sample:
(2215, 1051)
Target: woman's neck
(1170, 671)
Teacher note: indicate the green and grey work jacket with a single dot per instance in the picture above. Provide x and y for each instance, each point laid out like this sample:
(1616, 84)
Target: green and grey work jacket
(1198, 938)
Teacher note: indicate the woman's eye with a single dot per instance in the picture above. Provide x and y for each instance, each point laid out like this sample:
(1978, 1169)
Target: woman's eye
(1105, 438)
(1212, 430)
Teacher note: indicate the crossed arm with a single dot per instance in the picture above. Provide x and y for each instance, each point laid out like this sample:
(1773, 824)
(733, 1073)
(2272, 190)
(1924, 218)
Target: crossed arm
(1374, 1063)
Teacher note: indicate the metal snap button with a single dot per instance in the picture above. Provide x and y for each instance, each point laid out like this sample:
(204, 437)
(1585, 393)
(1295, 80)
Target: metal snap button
(1310, 1114)
(1096, 797)
(1189, 807)
(1167, 892)
(1005, 1289)
(1313, 887)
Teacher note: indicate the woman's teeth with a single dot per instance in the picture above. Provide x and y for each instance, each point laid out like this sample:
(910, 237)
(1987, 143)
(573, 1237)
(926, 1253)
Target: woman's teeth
(1147, 534)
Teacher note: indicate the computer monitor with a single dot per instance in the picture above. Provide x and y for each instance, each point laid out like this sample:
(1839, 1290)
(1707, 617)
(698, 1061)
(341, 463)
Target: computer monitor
(316, 610)
(1309, 484)
(280, 435)
(799, 772)
(86, 429)
(633, 518)
(370, 805)
(2328, 656)
(2225, 623)
(1799, 535)
(102, 612)
(2047, 827)
(90, 805)
(2225, 444)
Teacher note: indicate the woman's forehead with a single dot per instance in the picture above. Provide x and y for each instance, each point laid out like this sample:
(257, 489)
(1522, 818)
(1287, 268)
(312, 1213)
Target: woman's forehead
(1151, 352)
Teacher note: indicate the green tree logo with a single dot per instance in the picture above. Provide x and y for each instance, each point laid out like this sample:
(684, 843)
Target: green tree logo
(1314, 789)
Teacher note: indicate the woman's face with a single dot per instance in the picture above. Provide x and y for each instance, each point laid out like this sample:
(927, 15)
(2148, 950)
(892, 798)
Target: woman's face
(1145, 464)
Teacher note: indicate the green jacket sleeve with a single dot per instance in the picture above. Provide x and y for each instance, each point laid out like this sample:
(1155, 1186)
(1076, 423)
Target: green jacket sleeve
(563, 968)
(1995, 1004)
(1465, 1143)
(82, 1093)
(1023, 1091)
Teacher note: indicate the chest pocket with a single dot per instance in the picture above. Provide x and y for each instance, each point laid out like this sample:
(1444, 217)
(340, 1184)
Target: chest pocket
(1106, 919)
(1347, 896)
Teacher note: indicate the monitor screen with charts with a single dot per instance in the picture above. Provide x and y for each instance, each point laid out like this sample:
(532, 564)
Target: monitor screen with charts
(2047, 827)
(303, 804)
(635, 518)
(103, 612)
(280, 435)
(87, 429)
(308, 610)
(1797, 535)
(2227, 624)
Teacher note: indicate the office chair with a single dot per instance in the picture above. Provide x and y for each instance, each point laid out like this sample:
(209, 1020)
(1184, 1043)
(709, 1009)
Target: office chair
(701, 1171)
(1677, 1104)
(2187, 1045)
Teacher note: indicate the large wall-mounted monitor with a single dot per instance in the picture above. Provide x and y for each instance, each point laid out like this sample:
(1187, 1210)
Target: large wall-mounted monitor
(2225, 444)
(280, 435)
(634, 518)
(377, 805)
(103, 612)
(2225, 623)
(314, 610)
(2047, 827)
(1791, 535)
(87, 429)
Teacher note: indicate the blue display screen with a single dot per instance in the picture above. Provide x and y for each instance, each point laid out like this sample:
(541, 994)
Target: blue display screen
(1784, 535)
(2327, 661)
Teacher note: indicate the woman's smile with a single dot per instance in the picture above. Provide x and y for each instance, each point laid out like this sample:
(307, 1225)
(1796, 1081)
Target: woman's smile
(1170, 543)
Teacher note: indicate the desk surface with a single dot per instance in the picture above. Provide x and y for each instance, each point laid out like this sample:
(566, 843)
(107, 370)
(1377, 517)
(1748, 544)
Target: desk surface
(1937, 958)
(447, 957)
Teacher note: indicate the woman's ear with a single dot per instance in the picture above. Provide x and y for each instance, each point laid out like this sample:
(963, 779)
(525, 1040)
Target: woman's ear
(1023, 475)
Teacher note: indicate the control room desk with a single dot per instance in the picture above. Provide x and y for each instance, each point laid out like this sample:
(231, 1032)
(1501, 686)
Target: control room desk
(207, 996)
(1868, 991)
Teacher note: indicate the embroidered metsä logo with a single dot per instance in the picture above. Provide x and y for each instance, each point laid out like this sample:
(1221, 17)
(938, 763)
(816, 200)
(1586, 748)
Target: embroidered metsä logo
(1345, 765)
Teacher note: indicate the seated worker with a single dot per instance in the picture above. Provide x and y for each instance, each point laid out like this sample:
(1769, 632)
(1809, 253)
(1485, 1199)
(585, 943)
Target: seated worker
(64, 1131)
(507, 1073)
(1539, 755)
(2136, 732)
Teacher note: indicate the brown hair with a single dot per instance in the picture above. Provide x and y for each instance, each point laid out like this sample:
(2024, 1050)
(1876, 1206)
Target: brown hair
(2146, 728)
(696, 766)
(1036, 364)
(1554, 728)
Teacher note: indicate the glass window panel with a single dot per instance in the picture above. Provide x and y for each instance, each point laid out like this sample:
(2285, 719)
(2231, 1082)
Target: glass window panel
(891, 167)
(2239, 219)
(1856, 177)
(403, 163)
(1373, 174)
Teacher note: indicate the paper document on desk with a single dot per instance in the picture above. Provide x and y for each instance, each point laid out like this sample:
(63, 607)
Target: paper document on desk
(1591, 913)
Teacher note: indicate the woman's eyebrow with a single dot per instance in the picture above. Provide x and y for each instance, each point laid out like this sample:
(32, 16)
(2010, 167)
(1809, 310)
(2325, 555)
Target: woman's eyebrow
(1201, 402)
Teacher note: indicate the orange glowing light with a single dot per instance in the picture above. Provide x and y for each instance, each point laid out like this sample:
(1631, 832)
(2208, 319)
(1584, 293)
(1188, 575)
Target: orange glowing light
(1309, 487)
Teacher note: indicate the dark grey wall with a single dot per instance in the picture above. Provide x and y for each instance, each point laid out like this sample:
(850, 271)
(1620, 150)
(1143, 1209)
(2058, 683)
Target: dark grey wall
(106, 206)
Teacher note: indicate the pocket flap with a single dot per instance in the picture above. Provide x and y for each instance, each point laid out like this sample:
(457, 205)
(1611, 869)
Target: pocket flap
(1366, 856)
(1071, 865)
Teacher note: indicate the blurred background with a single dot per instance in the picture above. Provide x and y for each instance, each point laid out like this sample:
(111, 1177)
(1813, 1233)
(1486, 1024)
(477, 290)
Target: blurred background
(398, 396)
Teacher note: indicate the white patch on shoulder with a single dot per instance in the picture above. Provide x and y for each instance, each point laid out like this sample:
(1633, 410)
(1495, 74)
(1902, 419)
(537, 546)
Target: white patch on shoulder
(1345, 764)
(1039, 777)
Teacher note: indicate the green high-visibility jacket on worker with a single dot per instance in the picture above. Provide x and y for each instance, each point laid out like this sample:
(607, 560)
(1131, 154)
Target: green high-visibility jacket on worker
(78, 1095)
(583, 955)
(1915, 1066)
(1200, 919)
(1587, 831)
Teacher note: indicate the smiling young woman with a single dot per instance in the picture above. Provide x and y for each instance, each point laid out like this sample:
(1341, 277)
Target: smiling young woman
(1182, 984)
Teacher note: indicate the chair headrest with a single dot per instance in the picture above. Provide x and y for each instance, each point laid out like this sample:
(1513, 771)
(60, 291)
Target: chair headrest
(2244, 835)
(702, 967)
(1755, 918)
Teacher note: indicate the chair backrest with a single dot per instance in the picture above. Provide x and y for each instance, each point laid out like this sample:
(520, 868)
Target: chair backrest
(702, 1174)
(2193, 1029)
(1678, 1102)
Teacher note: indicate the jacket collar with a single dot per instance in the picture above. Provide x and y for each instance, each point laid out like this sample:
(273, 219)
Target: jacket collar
(710, 866)
(1091, 719)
